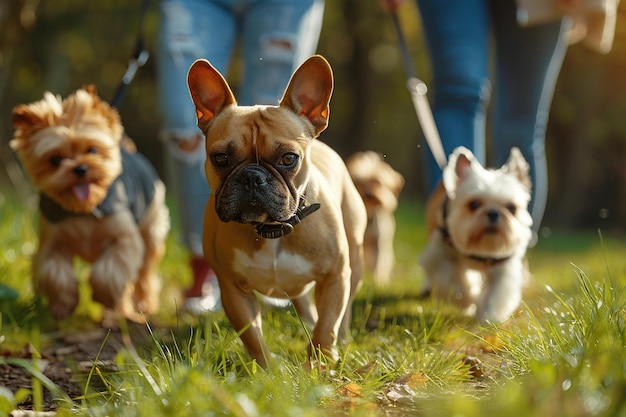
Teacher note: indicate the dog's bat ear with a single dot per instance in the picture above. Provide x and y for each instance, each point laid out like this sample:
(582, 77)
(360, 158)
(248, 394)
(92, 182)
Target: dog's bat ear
(517, 165)
(209, 91)
(309, 90)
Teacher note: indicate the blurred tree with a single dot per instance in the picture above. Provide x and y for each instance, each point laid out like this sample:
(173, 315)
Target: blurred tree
(371, 107)
(586, 138)
(16, 18)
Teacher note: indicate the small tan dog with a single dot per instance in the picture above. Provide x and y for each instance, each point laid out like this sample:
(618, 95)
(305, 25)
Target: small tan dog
(380, 186)
(97, 202)
(284, 214)
(480, 229)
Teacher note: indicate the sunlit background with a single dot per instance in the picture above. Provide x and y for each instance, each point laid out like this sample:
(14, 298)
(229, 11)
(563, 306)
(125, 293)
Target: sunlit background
(62, 44)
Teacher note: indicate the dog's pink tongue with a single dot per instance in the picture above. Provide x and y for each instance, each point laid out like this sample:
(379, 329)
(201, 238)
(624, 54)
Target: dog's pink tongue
(81, 191)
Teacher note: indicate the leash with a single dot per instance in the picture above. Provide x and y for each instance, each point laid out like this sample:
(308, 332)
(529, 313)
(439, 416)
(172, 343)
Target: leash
(138, 59)
(418, 91)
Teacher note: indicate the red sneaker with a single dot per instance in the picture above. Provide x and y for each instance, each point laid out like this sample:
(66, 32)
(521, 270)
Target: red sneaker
(204, 294)
(201, 271)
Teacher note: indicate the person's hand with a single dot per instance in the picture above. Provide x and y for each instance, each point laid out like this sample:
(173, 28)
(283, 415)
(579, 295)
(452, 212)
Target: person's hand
(390, 5)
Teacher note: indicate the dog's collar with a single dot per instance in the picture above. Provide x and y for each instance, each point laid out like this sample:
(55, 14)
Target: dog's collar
(447, 239)
(489, 261)
(275, 230)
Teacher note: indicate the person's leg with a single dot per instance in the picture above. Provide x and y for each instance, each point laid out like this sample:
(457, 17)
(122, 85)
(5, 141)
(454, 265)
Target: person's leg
(528, 61)
(277, 36)
(457, 36)
(189, 30)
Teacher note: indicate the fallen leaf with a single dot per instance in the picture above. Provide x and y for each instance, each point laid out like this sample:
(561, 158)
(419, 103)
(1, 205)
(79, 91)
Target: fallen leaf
(475, 366)
(400, 393)
(350, 389)
(413, 380)
(366, 369)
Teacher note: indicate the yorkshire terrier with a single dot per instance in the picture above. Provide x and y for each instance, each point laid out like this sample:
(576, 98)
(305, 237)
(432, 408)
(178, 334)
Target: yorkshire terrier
(98, 202)
(380, 186)
(480, 230)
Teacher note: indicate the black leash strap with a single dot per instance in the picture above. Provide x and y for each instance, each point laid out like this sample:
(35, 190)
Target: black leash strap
(137, 60)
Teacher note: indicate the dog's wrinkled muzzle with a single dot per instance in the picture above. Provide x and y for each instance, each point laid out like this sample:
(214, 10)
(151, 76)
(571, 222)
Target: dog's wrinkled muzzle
(254, 191)
(253, 195)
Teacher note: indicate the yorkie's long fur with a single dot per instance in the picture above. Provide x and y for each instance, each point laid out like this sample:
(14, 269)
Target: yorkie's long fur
(98, 202)
(480, 230)
(380, 186)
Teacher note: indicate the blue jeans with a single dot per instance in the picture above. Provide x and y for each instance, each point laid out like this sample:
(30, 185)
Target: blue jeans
(276, 36)
(527, 61)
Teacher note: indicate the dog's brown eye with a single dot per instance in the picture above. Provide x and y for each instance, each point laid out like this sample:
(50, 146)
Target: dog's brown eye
(512, 208)
(55, 160)
(474, 205)
(92, 150)
(220, 160)
(289, 160)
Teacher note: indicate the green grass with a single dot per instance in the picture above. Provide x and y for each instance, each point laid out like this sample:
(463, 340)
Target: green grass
(563, 354)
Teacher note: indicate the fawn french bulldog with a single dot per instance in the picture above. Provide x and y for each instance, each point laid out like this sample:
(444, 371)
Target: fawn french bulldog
(284, 215)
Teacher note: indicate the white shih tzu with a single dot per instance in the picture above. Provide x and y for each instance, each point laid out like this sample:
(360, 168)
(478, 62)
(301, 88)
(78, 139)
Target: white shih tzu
(480, 230)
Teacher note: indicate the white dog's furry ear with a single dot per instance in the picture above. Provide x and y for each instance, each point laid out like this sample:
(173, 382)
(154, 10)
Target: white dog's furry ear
(209, 91)
(459, 165)
(309, 90)
(518, 166)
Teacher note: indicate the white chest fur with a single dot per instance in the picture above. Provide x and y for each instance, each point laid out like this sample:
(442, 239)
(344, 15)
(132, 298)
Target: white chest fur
(272, 270)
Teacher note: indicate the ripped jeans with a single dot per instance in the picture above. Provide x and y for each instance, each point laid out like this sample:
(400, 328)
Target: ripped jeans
(275, 37)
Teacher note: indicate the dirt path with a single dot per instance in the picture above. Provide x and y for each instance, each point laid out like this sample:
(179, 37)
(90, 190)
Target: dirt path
(67, 362)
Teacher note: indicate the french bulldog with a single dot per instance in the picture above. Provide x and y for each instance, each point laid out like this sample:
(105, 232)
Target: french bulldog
(284, 215)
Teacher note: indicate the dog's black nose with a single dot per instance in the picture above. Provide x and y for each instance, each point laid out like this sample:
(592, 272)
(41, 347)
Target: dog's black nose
(80, 170)
(493, 215)
(254, 177)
